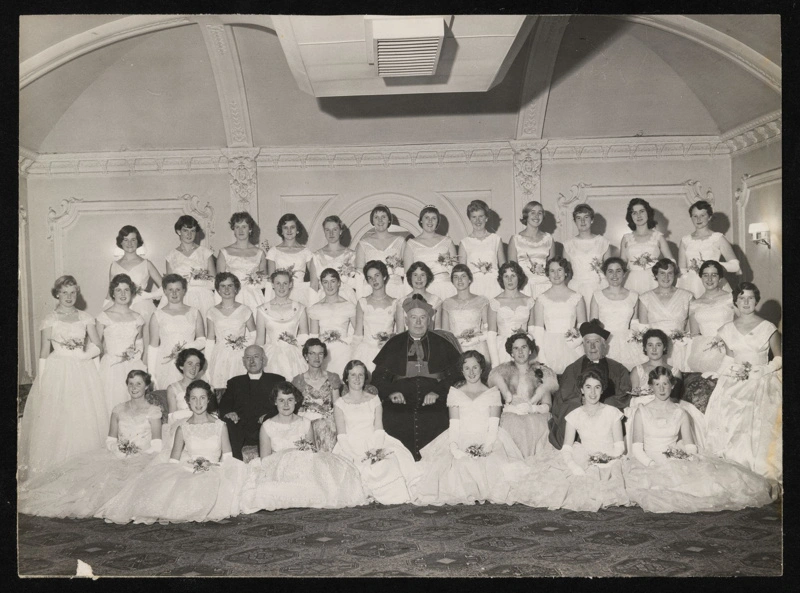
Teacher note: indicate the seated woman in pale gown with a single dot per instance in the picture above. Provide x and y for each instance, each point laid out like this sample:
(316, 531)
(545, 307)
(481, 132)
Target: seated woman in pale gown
(320, 390)
(465, 464)
(65, 411)
(527, 387)
(531, 248)
(387, 468)
(707, 314)
(557, 314)
(245, 260)
(437, 252)
(482, 251)
(375, 315)
(190, 362)
(381, 244)
(584, 476)
(586, 253)
(333, 319)
(663, 477)
(466, 314)
(292, 256)
(704, 245)
(336, 256)
(120, 329)
(201, 480)
(227, 333)
(80, 486)
(667, 308)
(195, 263)
(643, 247)
(173, 328)
(292, 472)
(744, 413)
(282, 328)
(617, 307)
(510, 312)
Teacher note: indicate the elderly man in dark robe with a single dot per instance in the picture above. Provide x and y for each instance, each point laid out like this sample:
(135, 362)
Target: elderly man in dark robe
(413, 373)
(568, 396)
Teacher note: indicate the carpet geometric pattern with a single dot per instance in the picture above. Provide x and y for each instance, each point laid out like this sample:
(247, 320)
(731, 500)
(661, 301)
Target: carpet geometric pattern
(405, 540)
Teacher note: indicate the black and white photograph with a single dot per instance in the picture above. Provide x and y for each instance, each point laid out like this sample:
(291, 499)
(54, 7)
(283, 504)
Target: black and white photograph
(364, 295)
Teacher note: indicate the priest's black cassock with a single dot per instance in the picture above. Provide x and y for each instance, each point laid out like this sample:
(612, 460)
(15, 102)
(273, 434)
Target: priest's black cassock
(398, 369)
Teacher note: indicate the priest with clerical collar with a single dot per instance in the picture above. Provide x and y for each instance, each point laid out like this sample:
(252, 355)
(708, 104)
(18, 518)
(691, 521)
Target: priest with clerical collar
(413, 373)
(568, 396)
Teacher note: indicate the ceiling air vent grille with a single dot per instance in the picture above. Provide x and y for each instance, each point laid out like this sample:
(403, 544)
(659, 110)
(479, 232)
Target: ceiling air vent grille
(407, 47)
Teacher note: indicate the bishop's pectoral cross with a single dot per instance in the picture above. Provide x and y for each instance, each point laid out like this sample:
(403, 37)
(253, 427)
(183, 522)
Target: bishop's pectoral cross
(419, 366)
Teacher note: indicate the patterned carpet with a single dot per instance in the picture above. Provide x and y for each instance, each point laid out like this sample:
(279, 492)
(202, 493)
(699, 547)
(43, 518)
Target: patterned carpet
(377, 541)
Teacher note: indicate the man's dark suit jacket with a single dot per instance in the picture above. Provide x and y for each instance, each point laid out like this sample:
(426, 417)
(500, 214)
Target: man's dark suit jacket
(250, 399)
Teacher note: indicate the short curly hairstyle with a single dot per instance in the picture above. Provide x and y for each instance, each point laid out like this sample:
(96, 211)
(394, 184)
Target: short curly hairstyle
(746, 286)
(127, 230)
(289, 217)
(561, 261)
(350, 366)
(174, 279)
(661, 371)
(184, 355)
(63, 281)
(522, 278)
(484, 364)
(461, 268)
(287, 388)
(614, 260)
(120, 279)
(651, 214)
(663, 264)
(376, 264)
(186, 221)
(521, 336)
(701, 205)
(222, 276)
(242, 217)
(146, 377)
(655, 333)
(583, 209)
(199, 384)
(418, 265)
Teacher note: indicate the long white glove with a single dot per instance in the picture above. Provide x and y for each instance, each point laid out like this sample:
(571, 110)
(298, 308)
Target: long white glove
(152, 361)
(491, 342)
(640, 455)
(619, 448)
(155, 446)
(491, 434)
(198, 343)
(346, 446)
(355, 341)
(112, 446)
(40, 368)
(540, 408)
(453, 433)
(731, 266)
(775, 364)
(91, 351)
(210, 344)
(227, 456)
(377, 439)
(566, 454)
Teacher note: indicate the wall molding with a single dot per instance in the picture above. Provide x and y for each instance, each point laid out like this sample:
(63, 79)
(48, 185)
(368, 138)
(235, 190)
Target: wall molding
(754, 134)
(70, 209)
(749, 183)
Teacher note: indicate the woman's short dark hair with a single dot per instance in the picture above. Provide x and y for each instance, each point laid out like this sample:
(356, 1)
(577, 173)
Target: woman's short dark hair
(526, 209)
(127, 230)
(561, 261)
(311, 342)
(174, 279)
(701, 205)
(289, 217)
(712, 263)
(522, 278)
(418, 265)
(593, 374)
(120, 279)
(61, 282)
(461, 268)
(663, 264)
(477, 205)
(427, 210)
(484, 364)
(651, 214)
(184, 355)
(746, 286)
(661, 371)
(614, 260)
(376, 264)
(200, 384)
(583, 209)
(330, 272)
(186, 221)
(242, 216)
(655, 333)
(333, 218)
(148, 380)
(222, 276)
(287, 388)
(380, 208)
(350, 366)
(521, 336)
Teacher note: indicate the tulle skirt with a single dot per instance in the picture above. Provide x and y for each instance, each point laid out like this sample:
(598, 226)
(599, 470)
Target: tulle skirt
(629, 354)
(678, 353)
(442, 287)
(284, 359)
(113, 375)
(65, 414)
(223, 364)
(175, 493)
(447, 480)
(698, 420)
(700, 484)
(702, 357)
(80, 486)
(545, 481)
(692, 282)
(528, 431)
(485, 284)
(291, 479)
(557, 352)
(640, 280)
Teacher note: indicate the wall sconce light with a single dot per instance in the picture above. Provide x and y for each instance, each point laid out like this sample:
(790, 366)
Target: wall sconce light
(760, 232)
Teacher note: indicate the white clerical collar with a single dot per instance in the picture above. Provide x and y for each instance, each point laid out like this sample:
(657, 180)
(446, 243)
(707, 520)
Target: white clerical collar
(256, 376)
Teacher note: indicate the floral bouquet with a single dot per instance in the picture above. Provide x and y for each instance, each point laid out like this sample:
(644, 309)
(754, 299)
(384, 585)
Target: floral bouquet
(239, 343)
(347, 269)
(289, 270)
(376, 455)
(715, 344)
(535, 266)
(468, 335)
(596, 266)
(255, 278)
(640, 391)
(200, 274)
(637, 336)
(572, 335)
(601, 458)
(694, 265)
(392, 262)
(678, 336)
(129, 354)
(71, 343)
(288, 338)
(382, 338)
(476, 451)
(176, 349)
(201, 464)
(644, 260)
(447, 260)
(675, 453)
(331, 335)
(128, 447)
(741, 372)
(139, 290)
(305, 445)
(484, 267)
(264, 245)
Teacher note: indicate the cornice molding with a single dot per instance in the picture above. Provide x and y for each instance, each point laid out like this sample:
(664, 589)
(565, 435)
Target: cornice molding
(755, 134)
(637, 148)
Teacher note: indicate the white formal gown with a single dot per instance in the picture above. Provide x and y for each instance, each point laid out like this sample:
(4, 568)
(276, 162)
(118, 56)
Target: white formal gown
(706, 352)
(334, 326)
(697, 251)
(230, 336)
(532, 257)
(142, 301)
(441, 285)
(174, 330)
(557, 351)
(466, 323)
(392, 256)
(345, 264)
(118, 337)
(244, 269)
(284, 352)
(378, 321)
(199, 293)
(616, 317)
(586, 257)
(642, 256)
(670, 317)
(510, 320)
(482, 261)
(296, 264)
